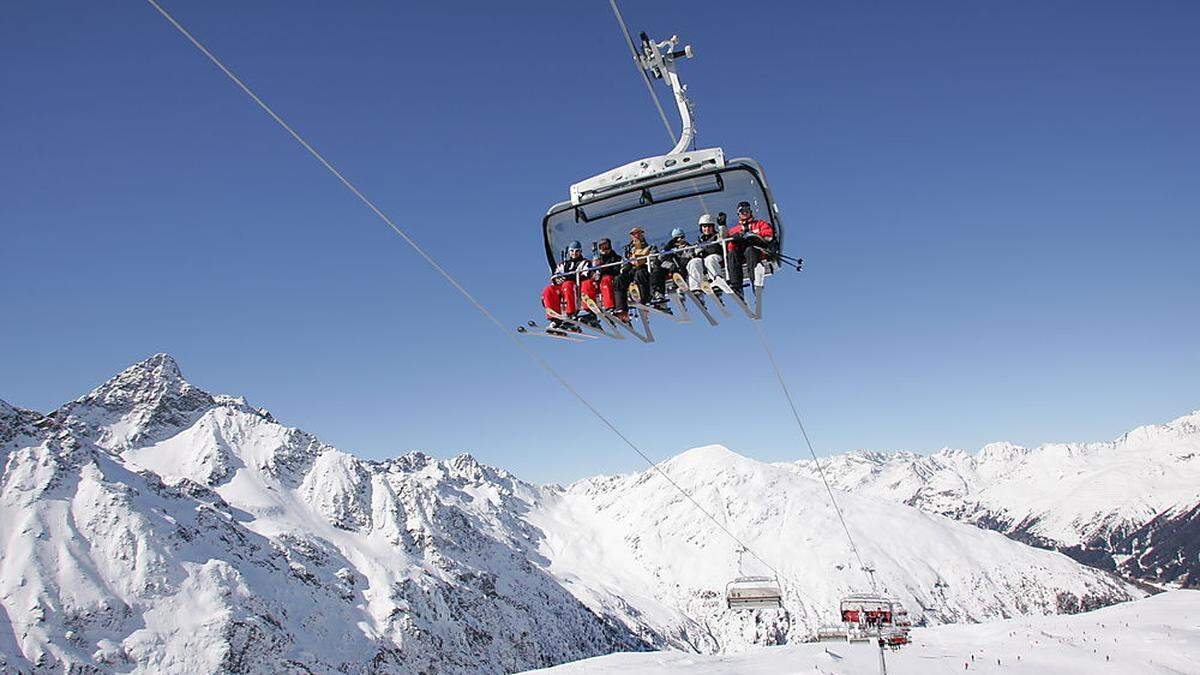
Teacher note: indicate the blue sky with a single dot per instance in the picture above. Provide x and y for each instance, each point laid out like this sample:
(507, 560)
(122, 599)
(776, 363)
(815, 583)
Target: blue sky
(998, 204)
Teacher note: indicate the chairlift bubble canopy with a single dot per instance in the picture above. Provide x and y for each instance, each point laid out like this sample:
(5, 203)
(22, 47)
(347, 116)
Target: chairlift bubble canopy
(661, 193)
(659, 204)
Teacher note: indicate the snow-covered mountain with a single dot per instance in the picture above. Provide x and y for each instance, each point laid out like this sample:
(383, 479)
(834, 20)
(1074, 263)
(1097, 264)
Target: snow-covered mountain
(1158, 635)
(1131, 505)
(150, 526)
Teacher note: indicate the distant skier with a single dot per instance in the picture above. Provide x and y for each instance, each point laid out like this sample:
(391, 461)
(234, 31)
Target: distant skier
(601, 282)
(750, 244)
(708, 258)
(560, 295)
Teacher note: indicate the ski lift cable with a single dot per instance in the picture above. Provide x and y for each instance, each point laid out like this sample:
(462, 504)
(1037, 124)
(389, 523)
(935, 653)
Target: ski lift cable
(762, 339)
(758, 329)
(636, 64)
(537, 359)
(662, 113)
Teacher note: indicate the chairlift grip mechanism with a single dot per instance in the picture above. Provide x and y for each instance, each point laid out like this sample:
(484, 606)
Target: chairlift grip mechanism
(657, 60)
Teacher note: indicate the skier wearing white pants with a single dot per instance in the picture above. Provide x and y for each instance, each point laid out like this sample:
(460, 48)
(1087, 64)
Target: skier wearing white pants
(709, 258)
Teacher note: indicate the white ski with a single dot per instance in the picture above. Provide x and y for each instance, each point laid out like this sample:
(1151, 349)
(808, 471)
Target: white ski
(595, 309)
(724, 286)
(566, 337)
(682, 291)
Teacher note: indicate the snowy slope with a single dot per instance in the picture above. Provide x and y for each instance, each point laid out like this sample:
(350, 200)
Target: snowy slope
(638, 535)
(1156, 635)
(150, 526)
(1130, 504)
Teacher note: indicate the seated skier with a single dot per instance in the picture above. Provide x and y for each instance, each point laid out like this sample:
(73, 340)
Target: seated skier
(676, 254)
(708, 258)
(601, 282)
(750, 244)
(641, 269)
(559, 294)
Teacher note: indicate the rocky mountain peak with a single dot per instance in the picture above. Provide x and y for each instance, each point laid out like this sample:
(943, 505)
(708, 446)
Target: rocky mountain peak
(144, 381)
(13, 419)
(140, 401)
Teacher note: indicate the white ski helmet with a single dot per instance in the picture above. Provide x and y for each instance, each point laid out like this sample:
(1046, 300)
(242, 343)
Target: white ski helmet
(707, 220)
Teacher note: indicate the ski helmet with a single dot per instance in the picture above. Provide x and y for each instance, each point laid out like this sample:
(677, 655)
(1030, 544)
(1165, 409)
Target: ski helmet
(575, 246)
(677, 232)
(707, 220)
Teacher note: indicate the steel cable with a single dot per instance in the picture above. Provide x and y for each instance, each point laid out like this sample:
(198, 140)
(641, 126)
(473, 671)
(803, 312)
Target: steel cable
(761, 337)
(446, 274)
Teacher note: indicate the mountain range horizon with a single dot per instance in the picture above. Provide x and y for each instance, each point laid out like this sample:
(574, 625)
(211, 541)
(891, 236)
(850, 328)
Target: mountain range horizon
(157, 526)
(168, 368)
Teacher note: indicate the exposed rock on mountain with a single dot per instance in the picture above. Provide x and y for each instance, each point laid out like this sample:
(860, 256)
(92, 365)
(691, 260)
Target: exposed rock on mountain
(150, 526)
(1129, 505)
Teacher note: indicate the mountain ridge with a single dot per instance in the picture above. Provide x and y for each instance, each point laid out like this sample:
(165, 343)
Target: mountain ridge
(1124, 505)
(154, 527)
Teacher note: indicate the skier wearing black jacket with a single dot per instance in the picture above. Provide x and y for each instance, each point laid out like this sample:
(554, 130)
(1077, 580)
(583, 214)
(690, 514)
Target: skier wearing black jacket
(674, 260)
(709, 258)
(560, 294)
(602, 278)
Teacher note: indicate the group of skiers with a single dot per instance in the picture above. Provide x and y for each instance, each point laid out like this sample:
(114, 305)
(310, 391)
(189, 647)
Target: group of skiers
(608, 276)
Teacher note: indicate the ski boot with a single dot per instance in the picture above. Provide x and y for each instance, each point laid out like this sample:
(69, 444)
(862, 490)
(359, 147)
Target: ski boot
(660, 302)
(619, 314)
(588, 319)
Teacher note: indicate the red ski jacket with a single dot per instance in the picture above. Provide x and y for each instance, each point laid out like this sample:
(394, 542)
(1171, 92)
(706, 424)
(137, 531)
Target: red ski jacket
(760, 227)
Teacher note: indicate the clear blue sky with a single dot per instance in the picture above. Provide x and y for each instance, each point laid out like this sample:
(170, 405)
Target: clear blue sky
(999, 204)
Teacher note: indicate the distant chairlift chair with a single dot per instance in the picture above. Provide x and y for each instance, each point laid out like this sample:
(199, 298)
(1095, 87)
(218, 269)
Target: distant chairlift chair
(753, 592)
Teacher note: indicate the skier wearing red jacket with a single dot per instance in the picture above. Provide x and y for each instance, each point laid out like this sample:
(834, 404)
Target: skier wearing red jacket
(750, 243)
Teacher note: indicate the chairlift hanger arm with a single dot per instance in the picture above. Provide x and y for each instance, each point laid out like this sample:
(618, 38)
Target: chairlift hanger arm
(658, 60)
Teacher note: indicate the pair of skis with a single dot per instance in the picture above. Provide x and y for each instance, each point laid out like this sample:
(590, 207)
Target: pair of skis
(532, 328)
(571, 329)
(719, 284)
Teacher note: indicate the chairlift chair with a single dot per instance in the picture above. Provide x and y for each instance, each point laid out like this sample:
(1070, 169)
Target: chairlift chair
(753, 592)
(867, 614)
(664, 192)
(866, 608)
